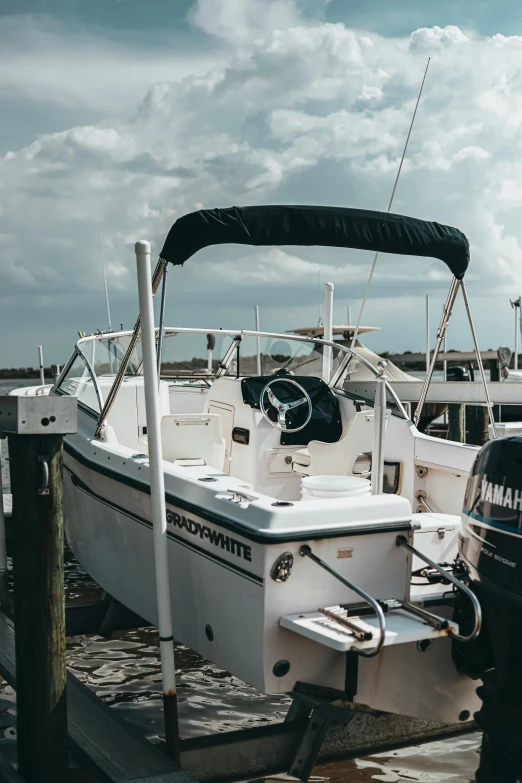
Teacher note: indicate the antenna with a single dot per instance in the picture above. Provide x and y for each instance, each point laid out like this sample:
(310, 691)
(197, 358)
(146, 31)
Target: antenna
(359, 318)
(516, 305)
(319, 299)
(105, 283)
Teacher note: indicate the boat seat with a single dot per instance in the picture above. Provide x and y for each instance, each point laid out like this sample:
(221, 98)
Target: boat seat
(190, 439)
(340, 458)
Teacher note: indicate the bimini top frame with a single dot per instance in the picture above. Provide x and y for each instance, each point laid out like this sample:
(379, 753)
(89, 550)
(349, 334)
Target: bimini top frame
(308, 225)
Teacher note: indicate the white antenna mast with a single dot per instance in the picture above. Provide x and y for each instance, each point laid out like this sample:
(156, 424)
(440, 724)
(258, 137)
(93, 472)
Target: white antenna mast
(359, 317)
(319, 300)
(105, 283)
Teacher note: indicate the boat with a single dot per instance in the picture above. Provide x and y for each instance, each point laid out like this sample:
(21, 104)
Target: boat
(344, 334)
(294, 553)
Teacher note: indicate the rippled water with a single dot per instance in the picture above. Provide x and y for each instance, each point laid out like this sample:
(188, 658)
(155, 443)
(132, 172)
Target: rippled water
(125, 673)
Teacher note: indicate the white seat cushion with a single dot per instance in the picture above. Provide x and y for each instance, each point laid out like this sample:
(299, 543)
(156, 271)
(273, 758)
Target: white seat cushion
(345, 457)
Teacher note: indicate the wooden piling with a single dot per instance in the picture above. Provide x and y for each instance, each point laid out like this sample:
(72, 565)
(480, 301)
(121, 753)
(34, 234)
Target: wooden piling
(477, 421)
(457, 423)
(39, 604)
(494, 370)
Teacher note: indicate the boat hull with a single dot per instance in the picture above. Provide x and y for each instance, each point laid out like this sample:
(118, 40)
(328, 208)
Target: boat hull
(226, 605)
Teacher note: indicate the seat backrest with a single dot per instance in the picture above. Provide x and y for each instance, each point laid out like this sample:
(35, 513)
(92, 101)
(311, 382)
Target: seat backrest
(339, 458)
(193, 436)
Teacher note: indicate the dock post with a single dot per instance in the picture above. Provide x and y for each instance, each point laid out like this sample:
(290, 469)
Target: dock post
(35, 427)
(457, 423)
(477, 420)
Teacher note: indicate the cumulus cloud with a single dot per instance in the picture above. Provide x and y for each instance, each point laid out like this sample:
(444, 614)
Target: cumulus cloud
(432, 39)
(299, 111)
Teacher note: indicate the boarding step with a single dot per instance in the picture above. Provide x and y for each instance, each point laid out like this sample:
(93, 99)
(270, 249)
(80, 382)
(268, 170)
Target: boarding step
(330, 627)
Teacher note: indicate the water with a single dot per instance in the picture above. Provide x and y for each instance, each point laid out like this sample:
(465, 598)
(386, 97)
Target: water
(8, 384)
(125, 673)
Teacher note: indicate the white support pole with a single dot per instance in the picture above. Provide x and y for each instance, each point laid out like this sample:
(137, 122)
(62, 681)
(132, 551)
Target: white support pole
(349, 315)
(427, 333)
(258, 354)
(4, 586)
(445, 362)
(518, 326)
(379, 412)
(105, 284)
(515, 352)
(328, 330)
(520, 314)
(40, 365)
(157, 492)
(445, 371)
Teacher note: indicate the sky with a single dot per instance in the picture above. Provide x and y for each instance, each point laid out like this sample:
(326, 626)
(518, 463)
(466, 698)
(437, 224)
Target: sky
(119, 116)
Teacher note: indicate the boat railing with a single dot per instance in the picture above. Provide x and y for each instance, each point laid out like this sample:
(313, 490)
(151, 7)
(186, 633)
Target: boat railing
(335, 381)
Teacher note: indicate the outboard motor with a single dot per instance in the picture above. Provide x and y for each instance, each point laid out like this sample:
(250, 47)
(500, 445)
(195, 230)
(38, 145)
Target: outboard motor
(458, 373)
(491, 550)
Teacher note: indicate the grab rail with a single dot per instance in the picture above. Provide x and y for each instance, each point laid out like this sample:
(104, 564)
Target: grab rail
(306, 551)
(402, 541)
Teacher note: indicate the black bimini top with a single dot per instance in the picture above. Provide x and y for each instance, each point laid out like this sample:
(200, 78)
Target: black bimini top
(326, 226)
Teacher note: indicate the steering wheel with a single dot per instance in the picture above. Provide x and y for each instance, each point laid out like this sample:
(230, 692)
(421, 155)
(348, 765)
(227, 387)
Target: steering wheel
(282, 408)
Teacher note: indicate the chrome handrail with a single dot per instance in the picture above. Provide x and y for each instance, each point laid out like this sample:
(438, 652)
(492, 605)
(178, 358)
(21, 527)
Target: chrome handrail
(306, 551)
(402, 541)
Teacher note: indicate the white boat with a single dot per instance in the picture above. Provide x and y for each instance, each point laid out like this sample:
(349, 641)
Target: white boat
(276, 586)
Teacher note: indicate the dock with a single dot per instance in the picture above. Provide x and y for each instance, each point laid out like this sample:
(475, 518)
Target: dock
(443, 356)
(115, 752)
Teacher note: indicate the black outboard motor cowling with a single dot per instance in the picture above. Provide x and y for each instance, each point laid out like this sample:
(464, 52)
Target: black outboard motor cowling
(491, 548)
(491, 530)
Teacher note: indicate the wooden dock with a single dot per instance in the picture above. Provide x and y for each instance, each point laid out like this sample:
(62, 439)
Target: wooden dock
(111, 748)
(444, 356)
(115, 752)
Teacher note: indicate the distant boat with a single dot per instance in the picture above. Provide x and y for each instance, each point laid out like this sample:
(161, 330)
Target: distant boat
(345, 332)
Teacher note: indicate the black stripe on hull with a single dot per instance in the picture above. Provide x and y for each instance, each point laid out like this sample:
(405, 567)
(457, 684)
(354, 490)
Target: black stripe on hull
(79, 484)
(239, 529)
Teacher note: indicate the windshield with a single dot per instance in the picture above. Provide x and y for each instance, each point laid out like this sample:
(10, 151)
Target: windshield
(105, 354)
(198, 355)
(203, 354)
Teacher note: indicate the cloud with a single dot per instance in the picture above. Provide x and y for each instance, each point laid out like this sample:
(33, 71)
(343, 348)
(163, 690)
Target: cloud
(252, 18)
(71, 66)
(292, 109)
(255, 17)
(436, 38)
